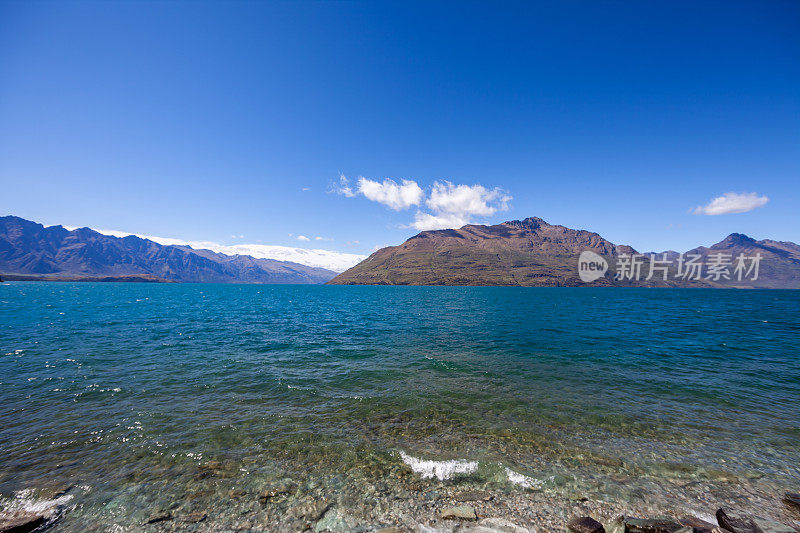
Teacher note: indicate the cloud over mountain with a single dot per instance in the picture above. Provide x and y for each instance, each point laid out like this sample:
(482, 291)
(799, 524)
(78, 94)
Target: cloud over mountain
(329, 259)
(456, 205)
(449, 205)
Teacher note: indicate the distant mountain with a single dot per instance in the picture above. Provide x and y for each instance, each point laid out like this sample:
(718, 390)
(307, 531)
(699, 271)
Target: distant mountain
(32, 251)
(532, 252)
(779, 267)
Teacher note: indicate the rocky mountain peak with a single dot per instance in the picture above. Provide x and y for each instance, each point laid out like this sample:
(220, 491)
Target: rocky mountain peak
(735, 239)
(530, 223)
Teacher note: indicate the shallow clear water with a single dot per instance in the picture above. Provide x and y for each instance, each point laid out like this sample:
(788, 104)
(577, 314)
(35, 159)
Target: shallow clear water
(166, 396)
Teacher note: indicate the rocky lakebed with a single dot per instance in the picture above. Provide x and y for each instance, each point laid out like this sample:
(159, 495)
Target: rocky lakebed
(218, 499)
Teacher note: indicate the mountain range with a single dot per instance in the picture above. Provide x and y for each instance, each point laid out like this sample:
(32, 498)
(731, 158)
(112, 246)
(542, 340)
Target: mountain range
(32, 251)
(527, 252)
(532, 252)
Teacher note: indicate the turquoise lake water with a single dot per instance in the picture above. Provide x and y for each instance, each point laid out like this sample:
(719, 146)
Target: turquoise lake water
(134, 397)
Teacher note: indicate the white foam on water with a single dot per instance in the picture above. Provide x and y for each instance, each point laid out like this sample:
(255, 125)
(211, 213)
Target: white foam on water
(24, 501)
(522, 480)
(440, 469)
(428, 468)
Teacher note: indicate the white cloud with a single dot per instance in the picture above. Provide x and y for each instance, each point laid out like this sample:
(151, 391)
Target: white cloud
(390, 193)
(397, 196)
(336, 261)
(343, 187)
(452, 205)
(302, 238)
(426, 221)
(731, 202)
(467, 200)
(456, 205)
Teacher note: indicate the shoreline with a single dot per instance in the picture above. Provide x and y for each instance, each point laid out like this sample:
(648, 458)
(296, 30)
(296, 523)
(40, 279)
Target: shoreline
(402, 502)
(94, 279)
(154, 279)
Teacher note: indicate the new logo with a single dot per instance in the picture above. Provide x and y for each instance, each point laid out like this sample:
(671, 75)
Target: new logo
(591, 266)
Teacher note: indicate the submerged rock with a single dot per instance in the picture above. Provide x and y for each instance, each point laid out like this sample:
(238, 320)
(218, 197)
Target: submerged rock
(276, 490)
(473, 496)
(737, 522)
(212, 468)
(309, 511)
(651, 525)
(792, 500)
(585, 524)
(235, 494)
(160, 516)
(495, 525)
(697, 525)
(331, 521)
(617, 525)
(193, 518)
(21, 521)
(463, 512)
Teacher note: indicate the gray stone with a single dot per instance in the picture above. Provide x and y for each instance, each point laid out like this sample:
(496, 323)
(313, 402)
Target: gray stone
(463, 512)
(331, 521)
(697, 525)
(276, 490)
(585, 524)
(737, 522)
(159, 516)
(616, 525)
(21, 521)
(651, 525)
(792, 500)
(495, 525)
(193, 518)
(309, 511)
(473, 496)
(422, 528)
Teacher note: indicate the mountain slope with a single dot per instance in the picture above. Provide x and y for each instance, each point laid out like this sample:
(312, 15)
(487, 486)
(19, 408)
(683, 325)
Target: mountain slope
(529, 252)
(532, 252)
(779, 267)
(31, 249)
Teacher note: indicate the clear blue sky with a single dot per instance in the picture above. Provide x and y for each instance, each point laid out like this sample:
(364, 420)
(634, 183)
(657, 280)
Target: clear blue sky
(207, 120)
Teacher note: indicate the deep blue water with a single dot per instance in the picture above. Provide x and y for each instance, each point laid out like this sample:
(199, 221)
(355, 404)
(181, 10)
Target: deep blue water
(109, 386)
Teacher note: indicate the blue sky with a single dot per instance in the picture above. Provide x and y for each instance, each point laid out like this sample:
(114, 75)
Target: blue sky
(233, 122)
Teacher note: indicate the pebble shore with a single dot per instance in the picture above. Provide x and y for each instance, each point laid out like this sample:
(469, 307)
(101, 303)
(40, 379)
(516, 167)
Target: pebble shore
(409, 504)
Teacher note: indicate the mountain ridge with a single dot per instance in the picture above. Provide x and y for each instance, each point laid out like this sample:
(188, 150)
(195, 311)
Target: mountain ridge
(35, 251)
(532, 252)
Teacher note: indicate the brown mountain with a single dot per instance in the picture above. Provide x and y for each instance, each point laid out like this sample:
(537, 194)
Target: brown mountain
(532, 252)
(527, 252)
(779, 266)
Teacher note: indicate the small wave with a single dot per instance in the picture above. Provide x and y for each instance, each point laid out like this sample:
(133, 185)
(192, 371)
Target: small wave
(443, 470)
(24, 500)
(440, 469)
(524, 481)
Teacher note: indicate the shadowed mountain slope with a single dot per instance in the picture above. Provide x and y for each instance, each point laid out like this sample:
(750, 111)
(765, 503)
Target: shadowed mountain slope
(32, 251)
